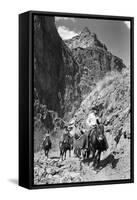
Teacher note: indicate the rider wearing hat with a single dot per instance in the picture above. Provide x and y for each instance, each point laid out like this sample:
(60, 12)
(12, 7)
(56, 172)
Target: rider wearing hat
(65, 134)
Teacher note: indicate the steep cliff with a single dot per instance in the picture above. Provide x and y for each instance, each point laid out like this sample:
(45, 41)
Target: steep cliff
(93, 58)
(56, 74)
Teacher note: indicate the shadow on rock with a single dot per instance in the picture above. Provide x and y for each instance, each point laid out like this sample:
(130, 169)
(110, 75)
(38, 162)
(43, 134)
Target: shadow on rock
(87, 160)
(54, 157)
(110, 159)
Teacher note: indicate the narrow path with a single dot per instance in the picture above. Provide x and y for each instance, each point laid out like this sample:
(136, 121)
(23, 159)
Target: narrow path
(52, 170)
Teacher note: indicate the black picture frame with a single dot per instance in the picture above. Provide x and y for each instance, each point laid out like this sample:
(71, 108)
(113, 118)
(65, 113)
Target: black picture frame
(26, 38)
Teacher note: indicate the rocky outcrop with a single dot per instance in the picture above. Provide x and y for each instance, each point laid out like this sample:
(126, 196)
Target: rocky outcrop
(84, 40)
(110, 99)
(56, 73)
(93, 58)
(51, 171)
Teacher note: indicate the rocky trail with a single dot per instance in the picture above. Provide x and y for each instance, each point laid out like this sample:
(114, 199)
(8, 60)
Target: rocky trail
(113, 166)
(111, 98)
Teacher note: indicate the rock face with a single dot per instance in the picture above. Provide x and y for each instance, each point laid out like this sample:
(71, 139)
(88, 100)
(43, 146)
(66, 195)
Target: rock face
(93, 58)
(56, 74)
(84, 40)
(64, 72)
(111, 101)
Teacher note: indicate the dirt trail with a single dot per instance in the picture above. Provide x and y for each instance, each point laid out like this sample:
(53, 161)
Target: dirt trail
(113, 166)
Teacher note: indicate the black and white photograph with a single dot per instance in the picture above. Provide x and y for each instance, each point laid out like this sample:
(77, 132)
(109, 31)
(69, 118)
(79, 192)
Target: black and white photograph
(68, 103)
(81, 99)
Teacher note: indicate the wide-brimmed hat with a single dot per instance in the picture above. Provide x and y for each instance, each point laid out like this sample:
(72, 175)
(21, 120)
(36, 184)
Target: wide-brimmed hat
(47, 134)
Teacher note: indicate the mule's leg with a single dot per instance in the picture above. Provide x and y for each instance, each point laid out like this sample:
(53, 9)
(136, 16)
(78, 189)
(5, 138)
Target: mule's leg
(65, 154)
(62, 155)
(79, 153)
(47, 153)
(88, 153)
(75, 152)
(98, 157)
(83, 154)
(95, 158)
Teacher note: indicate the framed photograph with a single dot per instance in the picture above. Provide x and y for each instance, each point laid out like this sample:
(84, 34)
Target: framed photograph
(76, 103)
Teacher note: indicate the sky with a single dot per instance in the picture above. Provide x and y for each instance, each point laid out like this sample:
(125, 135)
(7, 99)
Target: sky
(114, 34)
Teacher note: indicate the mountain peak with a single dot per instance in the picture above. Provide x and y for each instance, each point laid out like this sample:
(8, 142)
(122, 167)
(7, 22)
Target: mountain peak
(85, 31)
(85, 39)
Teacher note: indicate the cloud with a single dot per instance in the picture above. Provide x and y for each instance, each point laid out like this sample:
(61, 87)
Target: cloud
(65, 33)
(65, 18)
(127, 24)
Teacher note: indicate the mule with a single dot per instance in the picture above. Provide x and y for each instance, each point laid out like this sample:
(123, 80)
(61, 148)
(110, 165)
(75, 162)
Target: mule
(81, 146)
(66, 145)
(47, 145)
(97, 143)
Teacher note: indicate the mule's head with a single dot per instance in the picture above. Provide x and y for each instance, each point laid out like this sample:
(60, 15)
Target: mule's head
(66, 140)
(100, 137)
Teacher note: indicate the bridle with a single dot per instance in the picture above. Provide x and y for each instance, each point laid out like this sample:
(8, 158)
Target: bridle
(100, 138)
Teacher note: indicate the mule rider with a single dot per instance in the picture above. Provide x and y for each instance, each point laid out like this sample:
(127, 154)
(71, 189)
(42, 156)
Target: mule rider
(96, 127)
(100, 130)
(66, 135)
(46, 145)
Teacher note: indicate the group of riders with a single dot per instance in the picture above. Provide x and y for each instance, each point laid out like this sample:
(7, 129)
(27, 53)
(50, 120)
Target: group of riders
(84, 143)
